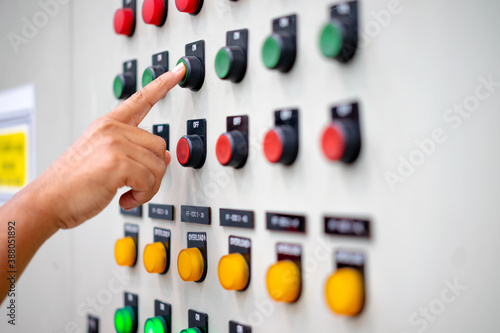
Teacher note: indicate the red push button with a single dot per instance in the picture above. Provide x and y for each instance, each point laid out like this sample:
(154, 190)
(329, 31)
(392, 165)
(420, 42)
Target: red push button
(124, 21)
(232, 149)
(183, 151)
(187, 6)
(333, 142)
(224, 149)
(281, 145)
(273, 146)
(191, 151)
(153, 12)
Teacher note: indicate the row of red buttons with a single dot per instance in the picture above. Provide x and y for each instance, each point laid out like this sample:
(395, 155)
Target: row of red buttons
(153, 12)
(276, 144)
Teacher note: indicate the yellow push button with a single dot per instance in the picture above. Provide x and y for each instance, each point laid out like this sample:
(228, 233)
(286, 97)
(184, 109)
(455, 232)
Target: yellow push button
(283, 281)
(155, 257)
(190, 264)
(125, 251)
(345, 292)
(233, 272)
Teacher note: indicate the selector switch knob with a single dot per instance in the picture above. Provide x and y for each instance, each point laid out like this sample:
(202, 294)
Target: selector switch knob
(281, 145)
(124, 85)
(341, 141)
(155, 258)
(124, 21)
(345, 292)
(126, 320)
(233, 272)
(232, 149)
(190, 264)
(284, 281)
(154, 12)
(188, 6)
(230, 63)
(191, 151)
(151, 73)
(125, 252)
(195, 73)
(279, 51)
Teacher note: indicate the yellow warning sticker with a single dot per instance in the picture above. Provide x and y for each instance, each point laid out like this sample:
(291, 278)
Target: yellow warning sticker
(13, 162)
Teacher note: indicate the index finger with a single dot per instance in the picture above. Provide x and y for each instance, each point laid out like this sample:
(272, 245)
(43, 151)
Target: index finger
(133, 110)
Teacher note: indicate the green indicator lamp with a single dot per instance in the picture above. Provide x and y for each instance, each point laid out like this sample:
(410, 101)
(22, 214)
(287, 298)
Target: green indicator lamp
(192, 330)
(125, 320)
(331, 40)
(155, 325)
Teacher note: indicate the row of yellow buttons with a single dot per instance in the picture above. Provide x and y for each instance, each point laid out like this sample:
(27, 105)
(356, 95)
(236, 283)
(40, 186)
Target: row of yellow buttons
(344, 290)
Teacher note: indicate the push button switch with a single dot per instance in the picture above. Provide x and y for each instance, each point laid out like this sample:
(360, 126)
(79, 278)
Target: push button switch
(194, 73)
(155, 258)
(192, 148)
(283, 281)
(126, 320)
(190, 151)
(155, 325)
(233, 272)
(231, 60)
(190, 264)
(159, 67)
(189, 6)
(281, 143)
(154, 12)
(280, 49)
(344, 292)
(125, 83)
(193, 330)
(341, 139)
(124, 22)
(124, 19)
(194, 61)
(232, 147)
(125, 251)
(339, 37)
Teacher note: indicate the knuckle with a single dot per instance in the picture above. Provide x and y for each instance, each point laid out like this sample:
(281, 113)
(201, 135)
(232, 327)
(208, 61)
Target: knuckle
(139, 97)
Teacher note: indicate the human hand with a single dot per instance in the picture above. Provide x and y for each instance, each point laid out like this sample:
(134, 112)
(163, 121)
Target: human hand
(112, 153)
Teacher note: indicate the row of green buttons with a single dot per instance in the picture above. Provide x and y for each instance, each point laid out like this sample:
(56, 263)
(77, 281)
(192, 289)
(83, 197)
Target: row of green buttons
(330, 44)
(125, 321)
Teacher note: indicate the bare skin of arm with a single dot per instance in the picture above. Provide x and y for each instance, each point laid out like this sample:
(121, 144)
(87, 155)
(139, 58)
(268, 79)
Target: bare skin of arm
(112, 153)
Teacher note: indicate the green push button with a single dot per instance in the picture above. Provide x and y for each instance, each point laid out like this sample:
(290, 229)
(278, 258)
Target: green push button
(118, 85)
(192, 330)
(125, 320)
(222, 63)
(271, 52)
(155, 325)
(331, 40)
(147, 77)
(185, 76)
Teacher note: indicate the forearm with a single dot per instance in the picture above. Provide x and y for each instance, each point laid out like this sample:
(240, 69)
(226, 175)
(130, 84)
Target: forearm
(30, 226)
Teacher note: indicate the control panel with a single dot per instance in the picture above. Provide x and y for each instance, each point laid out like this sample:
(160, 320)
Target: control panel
(316, 176)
